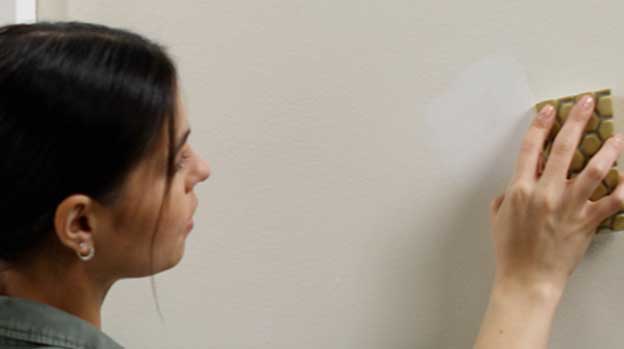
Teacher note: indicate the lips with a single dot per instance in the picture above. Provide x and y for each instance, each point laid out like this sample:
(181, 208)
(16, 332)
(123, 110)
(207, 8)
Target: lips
(192, 213)
(190, 223)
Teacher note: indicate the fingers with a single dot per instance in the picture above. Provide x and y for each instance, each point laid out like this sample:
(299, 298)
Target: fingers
(526, 166)
(608, 205)
(496, 203)
(540, 166)
(566, 143)
(597, 168)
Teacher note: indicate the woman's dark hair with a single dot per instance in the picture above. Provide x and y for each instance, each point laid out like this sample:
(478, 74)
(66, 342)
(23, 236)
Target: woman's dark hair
(80, 105)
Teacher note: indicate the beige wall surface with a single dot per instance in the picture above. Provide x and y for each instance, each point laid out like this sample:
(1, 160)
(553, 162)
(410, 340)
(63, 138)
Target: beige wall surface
(7, 12)
(355, 146)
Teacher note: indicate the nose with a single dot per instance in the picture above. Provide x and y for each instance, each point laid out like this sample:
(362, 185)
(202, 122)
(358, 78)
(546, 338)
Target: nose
(201, 173)
(203, 170)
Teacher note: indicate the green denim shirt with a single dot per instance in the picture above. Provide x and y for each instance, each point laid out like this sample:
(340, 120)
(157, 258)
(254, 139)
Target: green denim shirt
(26, 324)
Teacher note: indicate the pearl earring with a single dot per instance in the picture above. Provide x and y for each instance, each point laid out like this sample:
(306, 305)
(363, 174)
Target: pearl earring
(89, 255)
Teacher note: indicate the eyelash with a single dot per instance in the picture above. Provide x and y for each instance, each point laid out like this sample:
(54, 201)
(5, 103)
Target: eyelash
(180, 164)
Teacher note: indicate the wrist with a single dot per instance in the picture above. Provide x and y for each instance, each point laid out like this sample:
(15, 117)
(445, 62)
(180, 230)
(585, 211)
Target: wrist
(529, 293)
(519, 314)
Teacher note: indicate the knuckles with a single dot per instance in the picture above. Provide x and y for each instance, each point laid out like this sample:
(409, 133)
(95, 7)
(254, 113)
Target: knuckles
(617, 202)
(528, 146)
(596, 172)
(544, 201)
(563, 147)
(522, 194)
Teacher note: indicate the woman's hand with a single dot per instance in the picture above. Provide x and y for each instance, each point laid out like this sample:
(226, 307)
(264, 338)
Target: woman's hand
(541, 228)
(542, 225)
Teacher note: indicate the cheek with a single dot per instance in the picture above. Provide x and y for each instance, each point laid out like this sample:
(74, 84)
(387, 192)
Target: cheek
(169, 242)
(176, 212)
(138, 239)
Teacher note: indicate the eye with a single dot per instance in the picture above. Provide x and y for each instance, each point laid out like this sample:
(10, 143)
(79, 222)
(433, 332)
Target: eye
(180, 163)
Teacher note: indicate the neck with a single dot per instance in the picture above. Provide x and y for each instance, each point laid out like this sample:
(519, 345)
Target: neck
(68, 288)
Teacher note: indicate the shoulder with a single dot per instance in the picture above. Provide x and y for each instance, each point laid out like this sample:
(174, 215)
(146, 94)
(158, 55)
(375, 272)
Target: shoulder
(47, 327)
(14, 344)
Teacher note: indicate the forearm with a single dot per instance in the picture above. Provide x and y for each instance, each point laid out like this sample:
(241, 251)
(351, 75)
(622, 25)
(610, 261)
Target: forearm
(518, 317)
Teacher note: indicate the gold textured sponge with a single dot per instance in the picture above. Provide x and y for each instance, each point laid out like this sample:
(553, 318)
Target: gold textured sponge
(599, 128)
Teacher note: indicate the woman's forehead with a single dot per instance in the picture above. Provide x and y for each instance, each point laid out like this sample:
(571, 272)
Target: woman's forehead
(181, 120)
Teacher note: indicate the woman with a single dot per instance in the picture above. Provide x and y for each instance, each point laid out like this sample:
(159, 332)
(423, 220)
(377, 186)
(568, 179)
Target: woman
(96, 176)
(93, 155)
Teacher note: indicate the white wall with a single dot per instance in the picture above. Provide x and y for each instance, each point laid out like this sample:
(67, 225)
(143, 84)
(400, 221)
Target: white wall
(7, 12)
(17, 11)
(355, 146)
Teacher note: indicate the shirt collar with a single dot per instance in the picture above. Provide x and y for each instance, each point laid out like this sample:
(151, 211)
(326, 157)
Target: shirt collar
(31, 321)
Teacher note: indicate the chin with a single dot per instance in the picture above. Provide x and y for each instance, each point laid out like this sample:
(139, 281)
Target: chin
(163, 260)
(160, 266)
(172, 263)
(174, 259)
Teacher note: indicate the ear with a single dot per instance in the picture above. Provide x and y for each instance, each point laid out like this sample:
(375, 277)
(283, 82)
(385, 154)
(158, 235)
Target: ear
(74, 221)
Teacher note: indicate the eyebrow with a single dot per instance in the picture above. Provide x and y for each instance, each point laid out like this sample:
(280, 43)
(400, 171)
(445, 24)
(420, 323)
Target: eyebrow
(182, 141)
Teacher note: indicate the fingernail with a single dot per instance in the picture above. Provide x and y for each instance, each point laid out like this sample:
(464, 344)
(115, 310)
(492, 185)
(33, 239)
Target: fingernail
(619, 138)
(588, 102)
(546, 112)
